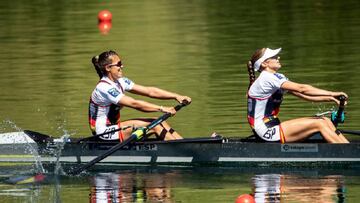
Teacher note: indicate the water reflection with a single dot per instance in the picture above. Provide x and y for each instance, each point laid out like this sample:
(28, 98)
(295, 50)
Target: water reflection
(194, 184)
(297, 188)
(131, 187)
(104, 27)
(160, 186)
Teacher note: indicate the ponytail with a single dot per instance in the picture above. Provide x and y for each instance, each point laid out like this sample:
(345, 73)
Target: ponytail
(258, 53)
(95, 61)
(101, 61)
(251, 72)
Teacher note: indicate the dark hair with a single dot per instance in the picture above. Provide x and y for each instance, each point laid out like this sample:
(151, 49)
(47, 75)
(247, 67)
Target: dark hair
(101, 61)
(258, 54)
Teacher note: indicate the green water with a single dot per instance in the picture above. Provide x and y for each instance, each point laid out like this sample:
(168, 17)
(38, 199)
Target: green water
(196, 48)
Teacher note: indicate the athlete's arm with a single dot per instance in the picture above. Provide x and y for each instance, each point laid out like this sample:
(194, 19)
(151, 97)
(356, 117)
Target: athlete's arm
(314, 98)
(158, 93)
(144, 106)
(309, 90)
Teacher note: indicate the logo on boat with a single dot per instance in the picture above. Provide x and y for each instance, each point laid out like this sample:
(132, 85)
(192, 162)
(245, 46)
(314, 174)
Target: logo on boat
(145, 147)
(299, 148)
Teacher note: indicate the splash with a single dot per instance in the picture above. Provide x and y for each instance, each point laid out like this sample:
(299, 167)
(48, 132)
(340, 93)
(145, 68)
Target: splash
(7, 124)
(324, 110)
(60, 143)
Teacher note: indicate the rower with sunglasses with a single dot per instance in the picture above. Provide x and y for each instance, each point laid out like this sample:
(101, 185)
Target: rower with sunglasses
(265, 95)
(109, 97)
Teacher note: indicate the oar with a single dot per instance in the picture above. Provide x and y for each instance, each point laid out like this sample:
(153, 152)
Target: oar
(38, 137)
(136, 135)
(353, 132)
(339, 114)
(18, 180)
(42, 138)
(339, 117)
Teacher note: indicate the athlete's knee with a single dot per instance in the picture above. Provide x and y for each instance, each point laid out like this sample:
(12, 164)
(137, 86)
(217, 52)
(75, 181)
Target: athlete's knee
(326, 119)
(328, 122)
(320, 123)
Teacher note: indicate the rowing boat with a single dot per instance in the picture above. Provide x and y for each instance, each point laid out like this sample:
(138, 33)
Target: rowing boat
(23, 146)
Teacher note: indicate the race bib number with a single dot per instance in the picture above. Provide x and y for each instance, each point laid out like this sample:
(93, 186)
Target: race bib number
(108, 136)
(269, 134)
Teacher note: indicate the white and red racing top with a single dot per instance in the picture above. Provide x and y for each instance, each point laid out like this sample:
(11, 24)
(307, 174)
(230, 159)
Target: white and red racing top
(264, 99)
(104, 109)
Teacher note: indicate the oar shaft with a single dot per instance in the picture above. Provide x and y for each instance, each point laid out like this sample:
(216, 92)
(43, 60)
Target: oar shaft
(353, 132)
(152, 125)
(164, 117)
(134, 136)
(103, 156)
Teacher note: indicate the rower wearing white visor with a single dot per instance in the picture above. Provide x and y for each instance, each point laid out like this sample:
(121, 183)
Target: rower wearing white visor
(265, 95)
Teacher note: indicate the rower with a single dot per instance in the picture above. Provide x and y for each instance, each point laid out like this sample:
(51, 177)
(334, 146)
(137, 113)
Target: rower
(265, 95)
(109, 97)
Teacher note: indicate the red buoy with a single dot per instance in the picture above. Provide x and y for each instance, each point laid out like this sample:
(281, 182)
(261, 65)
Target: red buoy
(104, 15)
(245, 198)
(104, 27)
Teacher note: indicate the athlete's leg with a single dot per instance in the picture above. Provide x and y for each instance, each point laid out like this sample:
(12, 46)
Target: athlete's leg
(331, 125)
(302, 128)
(171, 133)
(110, 136)
(162, 130)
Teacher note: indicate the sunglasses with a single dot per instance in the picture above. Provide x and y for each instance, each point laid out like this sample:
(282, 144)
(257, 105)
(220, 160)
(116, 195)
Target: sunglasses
(118, 64)
(276, 57)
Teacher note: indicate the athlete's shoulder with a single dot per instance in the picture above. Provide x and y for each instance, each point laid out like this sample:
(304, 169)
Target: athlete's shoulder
(126, 80)
(104, 85)
(126, 83)
(272, 76)
(280, 76)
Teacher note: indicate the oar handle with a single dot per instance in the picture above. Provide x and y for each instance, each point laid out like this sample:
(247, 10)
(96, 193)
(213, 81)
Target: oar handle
(165, 116)
(340, 111)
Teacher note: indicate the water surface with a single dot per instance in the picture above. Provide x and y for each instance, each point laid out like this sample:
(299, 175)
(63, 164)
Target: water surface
(197, 48)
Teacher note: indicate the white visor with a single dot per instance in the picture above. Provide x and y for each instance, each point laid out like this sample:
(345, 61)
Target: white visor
(267, 54)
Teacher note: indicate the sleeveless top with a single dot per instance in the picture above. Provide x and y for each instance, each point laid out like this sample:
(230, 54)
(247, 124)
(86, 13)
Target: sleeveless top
(104, 109)
(264, 99)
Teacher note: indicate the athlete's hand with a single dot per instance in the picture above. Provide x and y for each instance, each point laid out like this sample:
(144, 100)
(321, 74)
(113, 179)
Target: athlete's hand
(170, 110)
(182, 99)
(338, 95)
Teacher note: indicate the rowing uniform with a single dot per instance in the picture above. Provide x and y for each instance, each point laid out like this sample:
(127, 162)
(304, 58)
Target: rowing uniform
(264, 99)
(104, 109)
